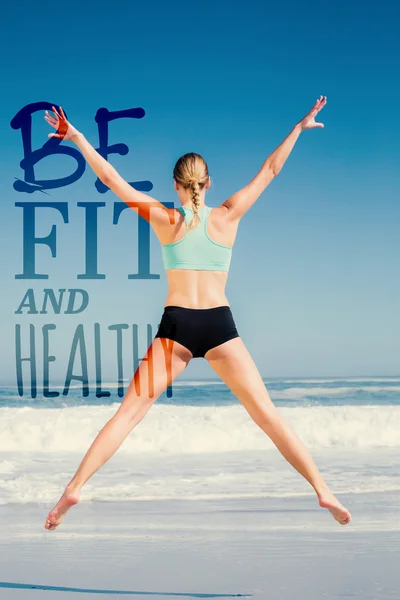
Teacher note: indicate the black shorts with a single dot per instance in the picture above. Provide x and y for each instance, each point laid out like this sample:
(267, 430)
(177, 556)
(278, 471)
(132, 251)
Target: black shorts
(198, 329)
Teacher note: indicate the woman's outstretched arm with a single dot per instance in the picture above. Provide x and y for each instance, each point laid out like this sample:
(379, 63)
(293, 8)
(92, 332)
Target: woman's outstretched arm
(106, 172)
(238, 204)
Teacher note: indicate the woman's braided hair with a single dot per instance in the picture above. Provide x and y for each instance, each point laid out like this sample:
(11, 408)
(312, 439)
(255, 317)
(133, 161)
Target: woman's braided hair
(191, 171)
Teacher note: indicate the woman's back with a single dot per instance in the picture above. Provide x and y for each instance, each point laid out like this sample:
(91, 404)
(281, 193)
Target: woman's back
(196, 249)
(197, 261)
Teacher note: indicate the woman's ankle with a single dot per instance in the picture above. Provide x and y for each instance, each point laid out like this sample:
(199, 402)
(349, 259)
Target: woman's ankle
(73, 488)
(321, 488)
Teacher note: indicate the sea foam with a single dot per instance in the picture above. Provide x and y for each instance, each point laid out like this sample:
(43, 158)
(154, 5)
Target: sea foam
(194, 429)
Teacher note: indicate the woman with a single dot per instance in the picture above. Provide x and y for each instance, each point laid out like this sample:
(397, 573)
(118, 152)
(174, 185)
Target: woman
(197, 320)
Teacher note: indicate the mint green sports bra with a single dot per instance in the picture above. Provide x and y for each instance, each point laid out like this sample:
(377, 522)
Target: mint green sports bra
(196, 250)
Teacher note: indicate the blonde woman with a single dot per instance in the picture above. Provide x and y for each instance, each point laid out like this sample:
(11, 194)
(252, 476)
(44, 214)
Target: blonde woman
(196, 243)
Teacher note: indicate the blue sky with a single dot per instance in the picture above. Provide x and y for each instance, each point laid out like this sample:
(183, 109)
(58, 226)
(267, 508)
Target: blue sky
(314, 283)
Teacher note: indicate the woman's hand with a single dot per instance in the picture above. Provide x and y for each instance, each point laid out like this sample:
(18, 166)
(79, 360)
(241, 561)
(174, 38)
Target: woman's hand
(65, 130)
(308, 122)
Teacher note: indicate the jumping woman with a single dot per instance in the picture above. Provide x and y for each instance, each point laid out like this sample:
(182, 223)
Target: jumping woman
(196, 242)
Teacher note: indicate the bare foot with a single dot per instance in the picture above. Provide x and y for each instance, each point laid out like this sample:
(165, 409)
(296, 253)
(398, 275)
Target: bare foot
(56, 515)
(329, 501)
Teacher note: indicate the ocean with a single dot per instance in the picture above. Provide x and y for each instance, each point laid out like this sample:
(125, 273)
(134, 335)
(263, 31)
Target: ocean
(200, 442)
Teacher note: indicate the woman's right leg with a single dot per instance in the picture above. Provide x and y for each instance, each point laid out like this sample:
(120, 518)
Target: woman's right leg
(163, 362)
(234, 364)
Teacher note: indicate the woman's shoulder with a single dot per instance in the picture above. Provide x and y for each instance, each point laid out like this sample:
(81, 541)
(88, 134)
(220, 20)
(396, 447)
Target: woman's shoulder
(165, 215)
(166, 222)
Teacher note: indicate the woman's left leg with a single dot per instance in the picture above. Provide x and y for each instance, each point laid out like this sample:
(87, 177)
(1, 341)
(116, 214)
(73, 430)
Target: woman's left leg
(163, 362)
(234, 364)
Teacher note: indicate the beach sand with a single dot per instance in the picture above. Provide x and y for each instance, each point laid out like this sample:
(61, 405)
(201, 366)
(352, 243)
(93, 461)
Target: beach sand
(272, 548)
